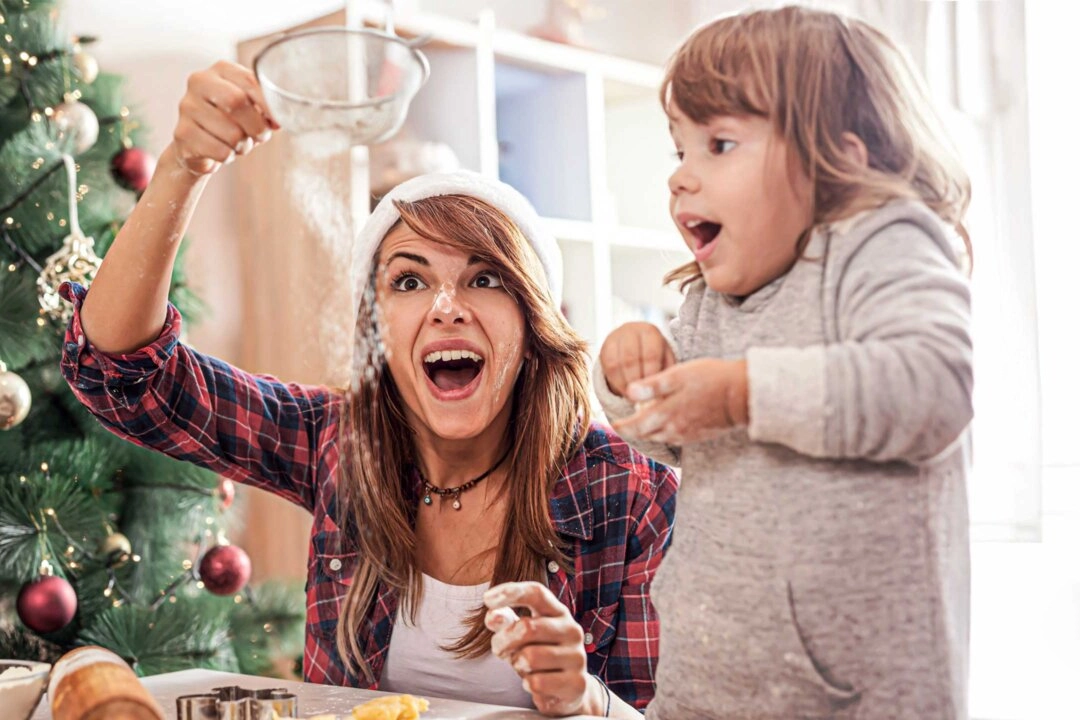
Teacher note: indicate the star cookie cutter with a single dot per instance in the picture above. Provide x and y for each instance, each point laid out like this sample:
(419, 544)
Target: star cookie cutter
(236, 703)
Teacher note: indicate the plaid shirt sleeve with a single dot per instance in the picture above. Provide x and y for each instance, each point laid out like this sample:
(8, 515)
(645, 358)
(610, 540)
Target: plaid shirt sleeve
(630, 670)
(619, 507)
(168, 397)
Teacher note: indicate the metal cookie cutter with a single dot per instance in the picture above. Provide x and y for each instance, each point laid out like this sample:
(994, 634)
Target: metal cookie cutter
(236, 703)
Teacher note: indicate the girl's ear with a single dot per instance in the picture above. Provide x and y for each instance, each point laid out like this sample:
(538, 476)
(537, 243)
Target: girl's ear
(855, 149)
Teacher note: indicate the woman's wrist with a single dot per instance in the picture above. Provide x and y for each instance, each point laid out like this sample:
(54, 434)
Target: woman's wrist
(597, 698)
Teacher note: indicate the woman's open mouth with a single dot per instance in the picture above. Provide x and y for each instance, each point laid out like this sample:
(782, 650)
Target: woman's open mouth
(452, 374)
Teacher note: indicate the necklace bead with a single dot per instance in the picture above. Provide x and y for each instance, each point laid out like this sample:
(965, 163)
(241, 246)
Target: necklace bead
(456, 491)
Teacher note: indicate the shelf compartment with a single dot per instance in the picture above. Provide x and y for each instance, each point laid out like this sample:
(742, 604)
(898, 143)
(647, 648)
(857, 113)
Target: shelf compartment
(540, 120)
(639, 156)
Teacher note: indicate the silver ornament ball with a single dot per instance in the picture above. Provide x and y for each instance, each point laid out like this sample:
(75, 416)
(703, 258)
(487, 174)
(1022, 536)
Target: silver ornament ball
(77, 120)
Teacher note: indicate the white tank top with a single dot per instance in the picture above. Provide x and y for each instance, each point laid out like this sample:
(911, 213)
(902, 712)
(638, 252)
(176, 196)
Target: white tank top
(416, 662)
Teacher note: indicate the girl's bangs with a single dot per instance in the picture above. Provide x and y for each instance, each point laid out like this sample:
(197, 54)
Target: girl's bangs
(717, 72)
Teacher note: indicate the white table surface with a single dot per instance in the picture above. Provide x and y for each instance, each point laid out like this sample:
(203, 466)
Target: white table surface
(312, 699)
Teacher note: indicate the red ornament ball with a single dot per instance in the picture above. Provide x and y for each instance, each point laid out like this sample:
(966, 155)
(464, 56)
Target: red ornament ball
(224, 569)
(46, 604)
(227, 492)
(132, 168)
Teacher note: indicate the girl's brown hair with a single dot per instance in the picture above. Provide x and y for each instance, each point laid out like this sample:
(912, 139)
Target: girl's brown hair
(816, 75)
(549, 417)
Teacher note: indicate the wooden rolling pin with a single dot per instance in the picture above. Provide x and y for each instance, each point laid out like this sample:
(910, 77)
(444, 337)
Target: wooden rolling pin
(92, 683)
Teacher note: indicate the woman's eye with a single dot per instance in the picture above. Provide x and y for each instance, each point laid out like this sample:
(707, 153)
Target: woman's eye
(407, 282)
(719, 146)
(678, 155)
(487, 279)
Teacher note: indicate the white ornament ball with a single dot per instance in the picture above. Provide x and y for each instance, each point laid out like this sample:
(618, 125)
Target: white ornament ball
(77, 120)
(14, 400)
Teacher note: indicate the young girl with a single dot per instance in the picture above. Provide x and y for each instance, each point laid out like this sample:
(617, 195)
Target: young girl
(818, 395)
(467, 459)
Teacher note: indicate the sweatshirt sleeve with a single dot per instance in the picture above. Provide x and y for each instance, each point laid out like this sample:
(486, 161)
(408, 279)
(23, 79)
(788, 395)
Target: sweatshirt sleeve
(170, 398)
(897, 384)
(617, 407)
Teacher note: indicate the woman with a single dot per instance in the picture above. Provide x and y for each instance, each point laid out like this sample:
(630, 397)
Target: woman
(465, 460)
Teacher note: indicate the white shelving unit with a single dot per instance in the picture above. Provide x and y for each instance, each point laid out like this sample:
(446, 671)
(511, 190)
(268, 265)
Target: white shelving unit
(579, 133)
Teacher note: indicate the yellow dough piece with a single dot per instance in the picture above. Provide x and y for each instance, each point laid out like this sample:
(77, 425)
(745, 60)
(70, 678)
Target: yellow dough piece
(396, 707)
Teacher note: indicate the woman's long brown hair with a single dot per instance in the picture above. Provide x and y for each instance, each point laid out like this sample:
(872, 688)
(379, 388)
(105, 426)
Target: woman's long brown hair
(550, 415)
(816, 75)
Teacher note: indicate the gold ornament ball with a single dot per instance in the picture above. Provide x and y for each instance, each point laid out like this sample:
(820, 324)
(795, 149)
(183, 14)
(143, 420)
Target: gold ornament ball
(85, 65)
(116, 548)
(14, 400)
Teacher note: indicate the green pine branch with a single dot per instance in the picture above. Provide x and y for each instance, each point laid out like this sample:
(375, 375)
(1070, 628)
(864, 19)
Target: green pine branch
(147, 608)
(193, 632)
(269, 626)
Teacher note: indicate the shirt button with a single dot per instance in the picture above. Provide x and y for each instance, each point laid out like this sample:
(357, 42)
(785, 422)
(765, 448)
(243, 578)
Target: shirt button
(553, 567)
(335, 564)
(588, 639)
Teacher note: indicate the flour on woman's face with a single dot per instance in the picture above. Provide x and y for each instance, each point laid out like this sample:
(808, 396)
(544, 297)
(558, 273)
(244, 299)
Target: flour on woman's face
(453, 335)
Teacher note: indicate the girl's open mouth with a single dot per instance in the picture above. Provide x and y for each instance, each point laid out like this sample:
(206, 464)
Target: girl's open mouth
(704, 233)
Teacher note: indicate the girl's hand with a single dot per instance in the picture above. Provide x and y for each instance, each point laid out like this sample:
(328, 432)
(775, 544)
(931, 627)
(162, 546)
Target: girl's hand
(545, 648)
(634, 351)
(689, 402)
(223, 114)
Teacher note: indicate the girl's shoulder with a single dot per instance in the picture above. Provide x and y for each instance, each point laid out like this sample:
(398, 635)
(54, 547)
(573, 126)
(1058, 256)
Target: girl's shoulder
(911, 219)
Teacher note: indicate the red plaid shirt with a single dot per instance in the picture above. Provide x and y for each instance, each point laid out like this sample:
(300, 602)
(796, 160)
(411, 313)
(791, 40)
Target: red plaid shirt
(612, 505)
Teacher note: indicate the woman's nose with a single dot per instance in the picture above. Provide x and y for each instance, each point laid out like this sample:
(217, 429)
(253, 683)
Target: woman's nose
(447, 307)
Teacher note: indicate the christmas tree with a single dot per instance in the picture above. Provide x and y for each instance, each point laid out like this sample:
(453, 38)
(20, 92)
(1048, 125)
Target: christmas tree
(100, 542)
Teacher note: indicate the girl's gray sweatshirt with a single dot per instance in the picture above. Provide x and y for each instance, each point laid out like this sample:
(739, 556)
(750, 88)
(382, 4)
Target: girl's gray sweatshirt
(820, 564)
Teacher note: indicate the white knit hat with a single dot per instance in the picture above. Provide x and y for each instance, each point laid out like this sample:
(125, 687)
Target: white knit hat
(461, 182)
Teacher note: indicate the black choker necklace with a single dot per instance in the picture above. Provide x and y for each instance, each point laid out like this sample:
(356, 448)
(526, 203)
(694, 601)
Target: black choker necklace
(456, 491)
